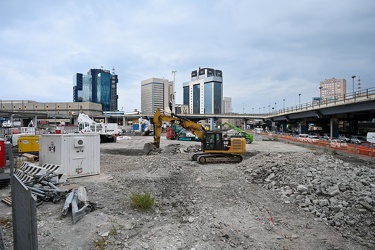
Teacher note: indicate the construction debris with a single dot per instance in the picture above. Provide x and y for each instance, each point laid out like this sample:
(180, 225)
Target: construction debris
(79, 203)
(41, 181)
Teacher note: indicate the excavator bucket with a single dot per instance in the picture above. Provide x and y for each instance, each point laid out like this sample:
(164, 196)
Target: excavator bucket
(149, 147)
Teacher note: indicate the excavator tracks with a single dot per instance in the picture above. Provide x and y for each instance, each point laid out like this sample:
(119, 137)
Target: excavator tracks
(216, 158)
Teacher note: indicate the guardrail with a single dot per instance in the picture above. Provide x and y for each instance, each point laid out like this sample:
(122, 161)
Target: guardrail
(354, 97)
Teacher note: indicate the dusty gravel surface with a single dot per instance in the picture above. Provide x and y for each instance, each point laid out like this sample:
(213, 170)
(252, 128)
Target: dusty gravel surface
(279, 197)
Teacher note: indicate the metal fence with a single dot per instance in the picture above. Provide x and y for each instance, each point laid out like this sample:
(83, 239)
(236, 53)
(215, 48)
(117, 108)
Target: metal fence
(24, 216)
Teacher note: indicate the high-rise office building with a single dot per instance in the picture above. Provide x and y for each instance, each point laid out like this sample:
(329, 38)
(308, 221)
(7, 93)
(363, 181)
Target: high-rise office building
(114, 96)
(98, 86)
(227, 105)
(155, 93)
(332, 88)
(204, 92)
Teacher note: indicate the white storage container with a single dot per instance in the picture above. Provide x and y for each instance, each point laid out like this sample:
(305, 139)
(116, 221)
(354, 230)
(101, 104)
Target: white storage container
(77, 154)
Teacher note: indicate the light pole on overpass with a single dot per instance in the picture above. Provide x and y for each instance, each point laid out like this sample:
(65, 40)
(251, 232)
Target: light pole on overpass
(353, 83)
(299, 99)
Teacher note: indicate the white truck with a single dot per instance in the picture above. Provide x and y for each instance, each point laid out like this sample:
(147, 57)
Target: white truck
(371, 137)
(108, 131)
(145, 127)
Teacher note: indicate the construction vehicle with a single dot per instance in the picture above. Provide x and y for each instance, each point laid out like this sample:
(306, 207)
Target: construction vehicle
(248, 137)
(108, 132)
(177, 132)
(215, 147)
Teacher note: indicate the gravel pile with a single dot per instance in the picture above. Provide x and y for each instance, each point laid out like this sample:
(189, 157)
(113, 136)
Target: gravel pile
(339, 193)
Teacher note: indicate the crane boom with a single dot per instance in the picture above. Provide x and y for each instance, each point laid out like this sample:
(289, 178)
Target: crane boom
(249, 137)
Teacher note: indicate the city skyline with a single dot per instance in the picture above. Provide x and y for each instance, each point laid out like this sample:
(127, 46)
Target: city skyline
(268, 52)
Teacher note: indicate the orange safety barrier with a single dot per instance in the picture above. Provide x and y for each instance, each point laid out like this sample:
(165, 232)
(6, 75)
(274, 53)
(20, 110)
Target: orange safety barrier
(345, 147)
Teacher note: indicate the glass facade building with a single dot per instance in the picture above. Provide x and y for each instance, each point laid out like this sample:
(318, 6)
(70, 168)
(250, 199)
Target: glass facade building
(204, 93)
(98, 86)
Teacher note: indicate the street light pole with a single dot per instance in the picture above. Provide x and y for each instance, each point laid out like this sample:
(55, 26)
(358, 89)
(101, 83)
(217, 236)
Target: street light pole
(284, 105)
(353, 83)
(320, 90)
(173, 91)
(299, 99)
(359, 85)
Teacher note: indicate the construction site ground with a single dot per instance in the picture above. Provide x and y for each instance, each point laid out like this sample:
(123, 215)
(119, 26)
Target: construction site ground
(281, 196)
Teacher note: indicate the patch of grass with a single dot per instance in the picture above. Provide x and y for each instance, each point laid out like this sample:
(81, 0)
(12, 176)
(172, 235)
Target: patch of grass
(5, 222)
(114, 230)
(142, 201)
(100, 244)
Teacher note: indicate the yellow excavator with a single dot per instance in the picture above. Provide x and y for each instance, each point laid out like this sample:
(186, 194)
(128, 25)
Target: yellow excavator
(216, 148)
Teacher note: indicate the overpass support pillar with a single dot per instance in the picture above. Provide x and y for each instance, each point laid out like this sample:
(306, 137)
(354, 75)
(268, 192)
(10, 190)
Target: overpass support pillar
(284, 126)
(354, 129)
(211, 124)
(334, 127)
(244, 124)
(326, 125)
(35, 121)
(302, 127)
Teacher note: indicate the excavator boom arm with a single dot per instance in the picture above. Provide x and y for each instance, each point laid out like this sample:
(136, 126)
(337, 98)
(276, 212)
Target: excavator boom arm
(195, 128)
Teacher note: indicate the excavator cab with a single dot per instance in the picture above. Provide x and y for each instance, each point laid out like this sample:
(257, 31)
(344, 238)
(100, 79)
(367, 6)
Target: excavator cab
(213, 141)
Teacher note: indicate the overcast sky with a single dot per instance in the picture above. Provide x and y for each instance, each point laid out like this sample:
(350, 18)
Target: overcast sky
(268, 50)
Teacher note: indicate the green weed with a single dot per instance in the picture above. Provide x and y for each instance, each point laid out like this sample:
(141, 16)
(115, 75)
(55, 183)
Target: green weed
(100, 244)
(142, 201)
(5, 222)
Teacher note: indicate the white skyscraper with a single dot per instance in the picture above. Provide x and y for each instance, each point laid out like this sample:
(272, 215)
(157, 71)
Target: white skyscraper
(155, 93)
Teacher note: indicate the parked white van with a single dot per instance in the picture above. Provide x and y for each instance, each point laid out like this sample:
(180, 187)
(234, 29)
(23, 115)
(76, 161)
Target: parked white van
(370, 137)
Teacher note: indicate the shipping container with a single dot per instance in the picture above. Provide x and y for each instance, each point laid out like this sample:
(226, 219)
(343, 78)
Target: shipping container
(77, 154)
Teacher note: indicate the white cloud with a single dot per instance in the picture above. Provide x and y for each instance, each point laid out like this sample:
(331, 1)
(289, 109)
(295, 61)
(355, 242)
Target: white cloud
(268, 50)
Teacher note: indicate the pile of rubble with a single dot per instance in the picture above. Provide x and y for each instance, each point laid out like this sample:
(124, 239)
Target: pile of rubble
(150, 149)
(179, 149)
(339, 193)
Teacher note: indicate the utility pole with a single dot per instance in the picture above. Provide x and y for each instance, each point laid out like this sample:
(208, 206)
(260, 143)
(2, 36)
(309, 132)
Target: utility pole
(173, 96)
